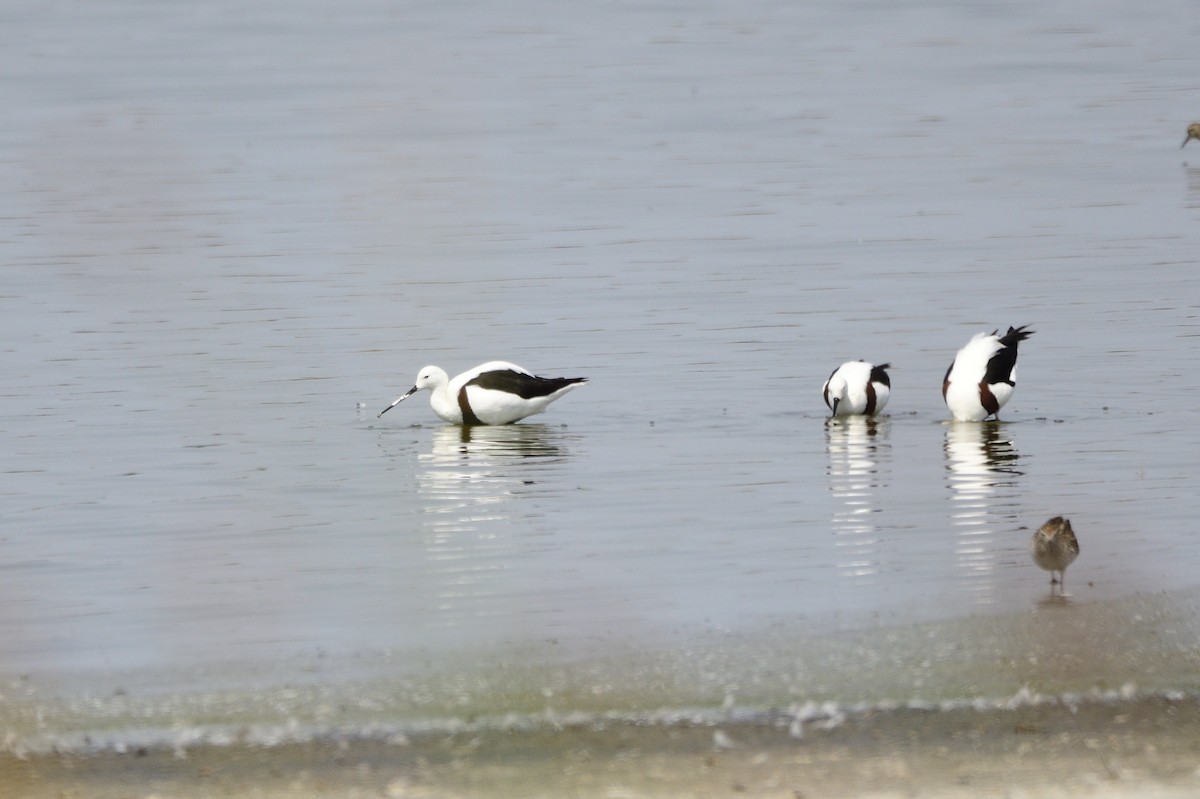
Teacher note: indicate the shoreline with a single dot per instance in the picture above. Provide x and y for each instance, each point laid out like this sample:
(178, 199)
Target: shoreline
(1148, 747)
(1080, 700)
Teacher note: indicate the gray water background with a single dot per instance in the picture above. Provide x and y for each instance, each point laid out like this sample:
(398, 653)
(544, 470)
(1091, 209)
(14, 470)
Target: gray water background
(234, 233)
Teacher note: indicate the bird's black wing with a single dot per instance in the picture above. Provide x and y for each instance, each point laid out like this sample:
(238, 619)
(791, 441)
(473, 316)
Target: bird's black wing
(523, 385)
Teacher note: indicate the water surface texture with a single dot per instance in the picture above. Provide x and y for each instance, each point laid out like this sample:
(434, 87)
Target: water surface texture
(234, 233)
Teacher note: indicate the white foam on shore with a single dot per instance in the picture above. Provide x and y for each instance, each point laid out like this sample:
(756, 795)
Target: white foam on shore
(797, 718)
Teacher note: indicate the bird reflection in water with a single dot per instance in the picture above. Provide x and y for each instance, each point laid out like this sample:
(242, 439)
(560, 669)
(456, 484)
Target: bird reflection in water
(486, 464)
(477, 486)
(856, 445)
(1193, 186)
(506, 441)
(982, 474)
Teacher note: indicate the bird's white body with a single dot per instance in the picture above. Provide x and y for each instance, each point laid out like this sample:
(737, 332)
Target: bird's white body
(967, 372)
(857, 388)
(496, 392)
(981, 379)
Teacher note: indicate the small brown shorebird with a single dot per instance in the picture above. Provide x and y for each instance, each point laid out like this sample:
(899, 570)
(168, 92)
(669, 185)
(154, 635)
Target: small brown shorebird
(1054, 548)
(1193, 132)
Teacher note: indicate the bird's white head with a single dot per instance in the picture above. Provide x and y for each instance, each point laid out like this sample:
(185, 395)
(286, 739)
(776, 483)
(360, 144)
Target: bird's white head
(835, 392)
(430, 377)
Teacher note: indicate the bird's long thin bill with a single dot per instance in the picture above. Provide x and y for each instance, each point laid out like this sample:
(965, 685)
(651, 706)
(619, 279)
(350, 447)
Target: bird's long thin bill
(399, 400)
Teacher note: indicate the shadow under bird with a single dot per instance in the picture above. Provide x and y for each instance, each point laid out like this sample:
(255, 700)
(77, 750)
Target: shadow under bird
(1054, 548)
(982, 376)
(496, 392)
(857, 388)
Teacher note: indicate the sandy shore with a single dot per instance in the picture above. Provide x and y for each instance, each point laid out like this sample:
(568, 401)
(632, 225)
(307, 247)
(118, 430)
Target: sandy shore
(1143, 748)
(693, 720)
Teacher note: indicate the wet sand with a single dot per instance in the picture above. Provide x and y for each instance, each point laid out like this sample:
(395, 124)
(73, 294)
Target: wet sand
(1145, 748)
(1088, 699)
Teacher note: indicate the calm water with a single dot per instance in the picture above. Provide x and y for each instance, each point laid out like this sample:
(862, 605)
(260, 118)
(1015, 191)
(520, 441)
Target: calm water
(232, 235)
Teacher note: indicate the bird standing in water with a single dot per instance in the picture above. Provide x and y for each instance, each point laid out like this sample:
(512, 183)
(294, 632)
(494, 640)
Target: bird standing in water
(1054, 548)
(496, 392)
(983, 374)
(1193, 132)
(858, 388)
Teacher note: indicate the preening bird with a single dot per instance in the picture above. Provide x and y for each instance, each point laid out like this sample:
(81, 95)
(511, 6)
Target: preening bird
(982, 376)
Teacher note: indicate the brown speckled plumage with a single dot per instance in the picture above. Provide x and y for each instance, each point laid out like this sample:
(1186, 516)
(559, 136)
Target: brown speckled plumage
(1054, 548)
(1193, 132)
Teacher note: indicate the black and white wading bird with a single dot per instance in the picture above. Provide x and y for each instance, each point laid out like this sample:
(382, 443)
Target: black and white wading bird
(496, 392)
(858, 388)
(981, 379)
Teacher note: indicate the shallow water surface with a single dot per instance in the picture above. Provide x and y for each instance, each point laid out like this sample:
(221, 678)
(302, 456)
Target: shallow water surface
(233, 239)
